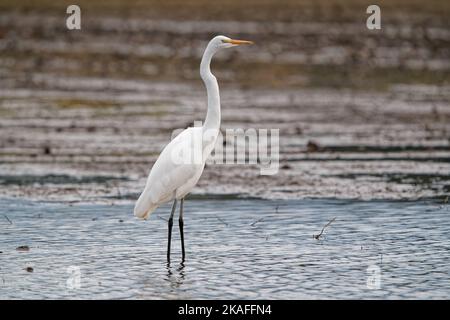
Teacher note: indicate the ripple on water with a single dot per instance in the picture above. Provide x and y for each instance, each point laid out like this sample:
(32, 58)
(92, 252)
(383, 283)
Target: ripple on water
(237, 249)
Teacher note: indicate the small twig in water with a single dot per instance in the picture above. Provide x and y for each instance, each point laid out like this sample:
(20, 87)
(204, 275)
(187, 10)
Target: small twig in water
(162, 218)
(222, 221)
(255, 222)
(23, 248)
(10, 222)
(317, 237)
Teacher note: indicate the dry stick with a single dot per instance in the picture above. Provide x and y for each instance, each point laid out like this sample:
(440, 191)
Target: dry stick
(116, 185)
(226, 224)
(323, 229)
(255, 222)
(10, 222)
(162, 218)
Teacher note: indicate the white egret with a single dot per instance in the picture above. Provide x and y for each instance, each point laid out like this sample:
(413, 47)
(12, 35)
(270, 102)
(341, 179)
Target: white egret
(173, 176)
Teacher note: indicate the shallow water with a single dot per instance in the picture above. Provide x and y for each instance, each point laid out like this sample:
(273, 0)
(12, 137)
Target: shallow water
(236, 248)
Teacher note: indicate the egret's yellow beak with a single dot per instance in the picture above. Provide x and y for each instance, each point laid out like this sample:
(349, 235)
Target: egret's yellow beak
(238, 42)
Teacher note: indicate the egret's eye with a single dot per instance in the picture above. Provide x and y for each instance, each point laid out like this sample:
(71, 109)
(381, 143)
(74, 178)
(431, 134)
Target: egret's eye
(224, 41)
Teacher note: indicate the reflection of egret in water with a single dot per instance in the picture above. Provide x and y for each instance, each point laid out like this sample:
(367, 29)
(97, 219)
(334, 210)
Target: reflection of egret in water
(176, 278)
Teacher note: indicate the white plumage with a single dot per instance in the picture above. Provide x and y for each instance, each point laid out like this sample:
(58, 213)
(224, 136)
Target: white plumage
(181, 163)
(171, 178)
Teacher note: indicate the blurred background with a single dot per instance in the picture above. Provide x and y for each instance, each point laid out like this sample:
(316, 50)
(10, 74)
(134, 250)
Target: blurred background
(362, 113)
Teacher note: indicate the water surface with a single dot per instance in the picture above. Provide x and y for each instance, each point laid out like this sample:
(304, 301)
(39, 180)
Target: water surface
(236, 249)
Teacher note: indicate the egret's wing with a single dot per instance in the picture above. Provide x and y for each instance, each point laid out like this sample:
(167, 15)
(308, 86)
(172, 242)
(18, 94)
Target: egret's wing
(178, 163)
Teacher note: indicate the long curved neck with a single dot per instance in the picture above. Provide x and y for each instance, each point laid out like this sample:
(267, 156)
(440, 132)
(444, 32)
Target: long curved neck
(212, 120)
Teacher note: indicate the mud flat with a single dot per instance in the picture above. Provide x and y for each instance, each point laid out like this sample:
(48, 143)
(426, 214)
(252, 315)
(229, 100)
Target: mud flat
(361, 115)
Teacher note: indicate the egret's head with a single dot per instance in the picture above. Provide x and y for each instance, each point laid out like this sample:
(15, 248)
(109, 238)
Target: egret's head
(221, 42)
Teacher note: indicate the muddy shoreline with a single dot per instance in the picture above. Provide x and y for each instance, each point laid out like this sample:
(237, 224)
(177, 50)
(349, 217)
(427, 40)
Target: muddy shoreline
(361, 115)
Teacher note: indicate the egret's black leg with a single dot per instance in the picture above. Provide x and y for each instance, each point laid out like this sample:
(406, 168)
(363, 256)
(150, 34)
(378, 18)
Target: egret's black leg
(181, 224)
(170, 229)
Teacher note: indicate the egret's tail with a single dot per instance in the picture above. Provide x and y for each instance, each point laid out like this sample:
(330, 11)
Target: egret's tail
(144, 207)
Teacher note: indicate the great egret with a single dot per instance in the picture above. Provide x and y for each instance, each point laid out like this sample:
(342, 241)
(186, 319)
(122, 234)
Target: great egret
(181, 163)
